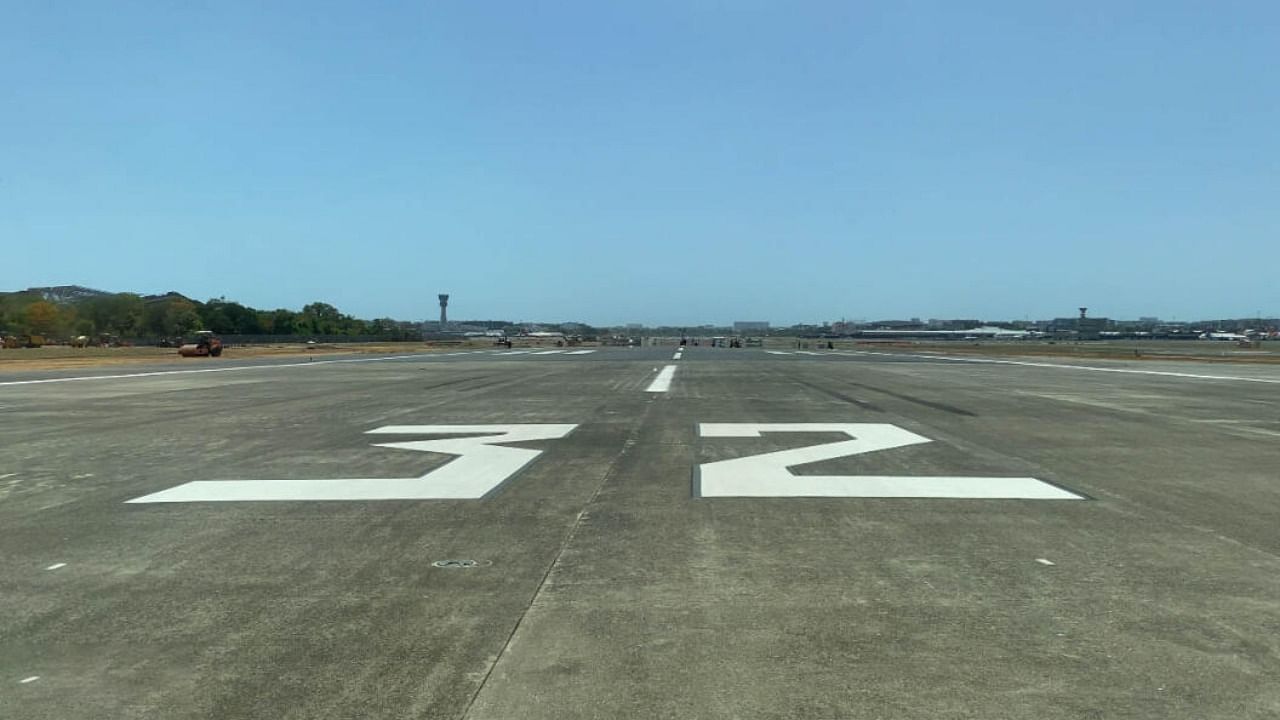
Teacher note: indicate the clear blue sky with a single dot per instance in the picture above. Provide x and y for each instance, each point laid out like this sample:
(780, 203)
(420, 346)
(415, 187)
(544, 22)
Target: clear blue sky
(668, 161)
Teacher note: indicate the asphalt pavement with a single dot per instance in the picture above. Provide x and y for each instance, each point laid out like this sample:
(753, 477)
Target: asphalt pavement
(545, 535)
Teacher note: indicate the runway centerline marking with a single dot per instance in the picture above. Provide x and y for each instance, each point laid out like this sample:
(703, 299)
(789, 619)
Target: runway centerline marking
(662, 383)
(481, 466)
(769, 475)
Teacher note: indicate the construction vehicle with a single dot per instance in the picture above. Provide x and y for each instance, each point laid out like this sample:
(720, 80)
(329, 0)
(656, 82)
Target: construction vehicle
(205, 344)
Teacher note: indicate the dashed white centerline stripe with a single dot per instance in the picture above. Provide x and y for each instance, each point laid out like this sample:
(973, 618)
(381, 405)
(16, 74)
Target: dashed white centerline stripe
(56, 566)
(662, 383)
(549, 352)
(777, 352)
(1043, 561)
(31, 679)
(677, 356)
(580, 352)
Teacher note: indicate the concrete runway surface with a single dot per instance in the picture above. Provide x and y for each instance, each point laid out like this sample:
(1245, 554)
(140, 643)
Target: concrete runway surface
(623, 534)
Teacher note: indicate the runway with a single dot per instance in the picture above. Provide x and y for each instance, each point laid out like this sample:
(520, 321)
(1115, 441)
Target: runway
(641, 533)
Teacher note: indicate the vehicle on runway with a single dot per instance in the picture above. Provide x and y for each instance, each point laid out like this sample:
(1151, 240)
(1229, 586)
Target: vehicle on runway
(205, 344)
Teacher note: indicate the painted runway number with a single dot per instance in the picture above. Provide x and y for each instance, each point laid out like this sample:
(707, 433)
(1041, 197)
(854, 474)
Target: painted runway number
(483, 461)
(768, 475)
(481, 465)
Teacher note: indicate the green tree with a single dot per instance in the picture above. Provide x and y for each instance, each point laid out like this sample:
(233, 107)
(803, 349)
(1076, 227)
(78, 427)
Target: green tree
(383, 327)
(120, 314)
(243, 320)
(321, 319)
(41, 317)
(284, 322)
(214, 318)
(171, 317)
(181, 318)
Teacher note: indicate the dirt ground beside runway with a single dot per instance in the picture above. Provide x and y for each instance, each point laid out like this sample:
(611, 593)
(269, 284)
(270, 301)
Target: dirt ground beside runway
(1269, 353)
(61, 357)
(1128, 350)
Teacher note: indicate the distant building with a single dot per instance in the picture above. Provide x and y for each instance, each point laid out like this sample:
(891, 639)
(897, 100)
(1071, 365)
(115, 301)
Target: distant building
(912, 324)
(956, 324)
(974, 333)
(748, 326)
(1082, 328)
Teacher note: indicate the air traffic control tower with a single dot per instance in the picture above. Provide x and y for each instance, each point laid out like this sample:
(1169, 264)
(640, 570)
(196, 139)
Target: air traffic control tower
(444, 310)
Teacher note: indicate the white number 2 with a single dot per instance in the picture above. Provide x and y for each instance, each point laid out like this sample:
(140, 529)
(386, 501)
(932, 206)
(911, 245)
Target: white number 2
(768, 475)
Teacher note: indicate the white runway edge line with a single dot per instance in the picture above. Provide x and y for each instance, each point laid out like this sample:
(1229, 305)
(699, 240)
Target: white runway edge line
(160, 373)
(662, 383)
(1092, 368)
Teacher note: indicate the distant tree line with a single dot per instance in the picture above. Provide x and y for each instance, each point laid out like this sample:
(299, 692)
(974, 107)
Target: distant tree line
(128, 315)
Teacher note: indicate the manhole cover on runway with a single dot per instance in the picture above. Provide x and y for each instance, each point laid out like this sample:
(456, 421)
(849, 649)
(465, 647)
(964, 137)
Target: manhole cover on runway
(457, 563)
